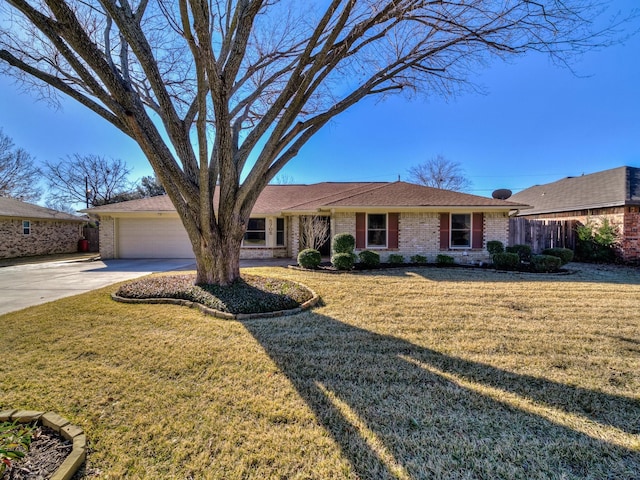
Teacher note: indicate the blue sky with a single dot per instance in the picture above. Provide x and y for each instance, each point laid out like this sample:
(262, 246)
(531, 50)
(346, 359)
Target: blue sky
(536, 123)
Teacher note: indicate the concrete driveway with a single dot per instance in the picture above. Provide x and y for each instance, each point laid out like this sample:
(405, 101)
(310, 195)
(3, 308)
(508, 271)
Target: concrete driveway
(22, 286)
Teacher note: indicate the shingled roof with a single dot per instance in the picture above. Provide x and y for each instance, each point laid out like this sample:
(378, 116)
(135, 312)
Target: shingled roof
(278, 199)
(10, 207)
(609, 188)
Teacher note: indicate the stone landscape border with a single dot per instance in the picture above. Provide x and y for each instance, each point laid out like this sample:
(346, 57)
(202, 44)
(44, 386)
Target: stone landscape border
(62, 426)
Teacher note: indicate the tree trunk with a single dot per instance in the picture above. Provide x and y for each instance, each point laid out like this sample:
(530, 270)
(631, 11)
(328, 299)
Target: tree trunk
(218, 266)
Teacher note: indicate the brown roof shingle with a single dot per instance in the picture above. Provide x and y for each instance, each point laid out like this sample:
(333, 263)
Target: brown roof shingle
(10, 207)
(276, 199)
(403, 194)
(609, 188)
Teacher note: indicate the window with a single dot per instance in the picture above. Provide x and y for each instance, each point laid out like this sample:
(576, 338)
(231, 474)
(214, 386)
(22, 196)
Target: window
(279, 232)
(460, 230)
(256, 234)
(377, 230)
(26, 227)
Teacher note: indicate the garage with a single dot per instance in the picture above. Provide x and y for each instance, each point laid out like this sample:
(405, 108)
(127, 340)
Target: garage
(152, 238)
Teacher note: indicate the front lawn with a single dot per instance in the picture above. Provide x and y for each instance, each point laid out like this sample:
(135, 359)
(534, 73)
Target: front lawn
(410, 373)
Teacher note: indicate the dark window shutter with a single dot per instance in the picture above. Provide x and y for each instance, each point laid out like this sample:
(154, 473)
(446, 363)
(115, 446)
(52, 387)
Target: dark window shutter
(477, 230)
(392, 242)
(361, 230)
(444, 230)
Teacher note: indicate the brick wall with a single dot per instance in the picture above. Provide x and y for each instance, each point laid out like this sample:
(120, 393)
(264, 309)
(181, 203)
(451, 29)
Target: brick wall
(419, 234)
(631, 235)
(46, 238)
(343, 223)
(293, 236)
(107, 237)
(496, 227)
(263, 252)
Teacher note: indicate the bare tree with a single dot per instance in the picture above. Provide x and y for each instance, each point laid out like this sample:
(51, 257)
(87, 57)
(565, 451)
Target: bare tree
(440, 172)
(314, 231)
(60, 206)
(90, 180)
(19, 177)
(215, 90)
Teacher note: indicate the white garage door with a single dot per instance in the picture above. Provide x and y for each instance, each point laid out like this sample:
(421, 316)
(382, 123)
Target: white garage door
(153, 238)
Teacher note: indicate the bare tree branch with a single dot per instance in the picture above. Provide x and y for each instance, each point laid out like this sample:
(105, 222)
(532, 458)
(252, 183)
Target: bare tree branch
(440, 172)
(19, 177)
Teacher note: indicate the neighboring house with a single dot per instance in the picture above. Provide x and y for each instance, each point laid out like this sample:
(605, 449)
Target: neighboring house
(612, 194)
(27, 229)
(396, 217)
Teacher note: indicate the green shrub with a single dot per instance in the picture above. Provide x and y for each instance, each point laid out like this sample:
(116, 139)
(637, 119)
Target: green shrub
(444, 260)
(506, 261)
(523, 251)
(396, 258)
(343, 261)
(418, 259)
(15, 440)
(597, 242)
(309, 258)
(495, 246)
(369, 258)
(545, 263)
(564, 254)
(343, 243)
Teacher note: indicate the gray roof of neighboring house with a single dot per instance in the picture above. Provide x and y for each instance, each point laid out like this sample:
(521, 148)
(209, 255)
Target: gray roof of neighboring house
(609, 188)
(277, 199)
(10, 207)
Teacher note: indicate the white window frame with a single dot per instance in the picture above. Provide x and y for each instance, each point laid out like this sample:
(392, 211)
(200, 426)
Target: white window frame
(26, 227)
(460, 247)
(255, 245)
(386, 232)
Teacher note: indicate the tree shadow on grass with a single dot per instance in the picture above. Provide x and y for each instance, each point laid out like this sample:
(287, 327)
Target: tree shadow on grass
(399, 410)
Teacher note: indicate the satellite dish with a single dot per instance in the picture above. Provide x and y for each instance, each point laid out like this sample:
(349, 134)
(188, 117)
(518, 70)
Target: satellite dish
(501, 193)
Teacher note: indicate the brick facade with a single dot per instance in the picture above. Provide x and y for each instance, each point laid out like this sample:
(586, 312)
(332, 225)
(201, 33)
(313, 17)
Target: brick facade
(419, 234)
(293, 236)
(46, 237)
(630, 244)
(107, 237)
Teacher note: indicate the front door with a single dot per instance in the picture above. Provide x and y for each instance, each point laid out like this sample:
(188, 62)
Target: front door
(325, 248)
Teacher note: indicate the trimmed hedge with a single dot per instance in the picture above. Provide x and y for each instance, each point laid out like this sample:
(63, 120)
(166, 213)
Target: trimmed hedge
(545, 263)
(443, 260)
(369, 258)
(564, 254)
(495, 246)
(343, 243)
(418, 259)
(396, 258)
(309, 258)
(523, 251)
(506, 261)
(343, 261)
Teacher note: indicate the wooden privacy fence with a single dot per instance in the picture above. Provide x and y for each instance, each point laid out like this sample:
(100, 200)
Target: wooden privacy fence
(541, 234)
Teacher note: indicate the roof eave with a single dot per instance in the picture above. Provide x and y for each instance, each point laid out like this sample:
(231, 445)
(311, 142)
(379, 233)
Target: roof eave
(422, 208)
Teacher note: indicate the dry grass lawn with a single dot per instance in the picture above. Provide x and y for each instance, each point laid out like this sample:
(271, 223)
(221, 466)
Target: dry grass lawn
(410, 374)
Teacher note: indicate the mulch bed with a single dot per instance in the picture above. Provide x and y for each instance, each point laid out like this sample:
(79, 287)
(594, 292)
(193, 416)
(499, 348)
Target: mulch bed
(48, 450)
